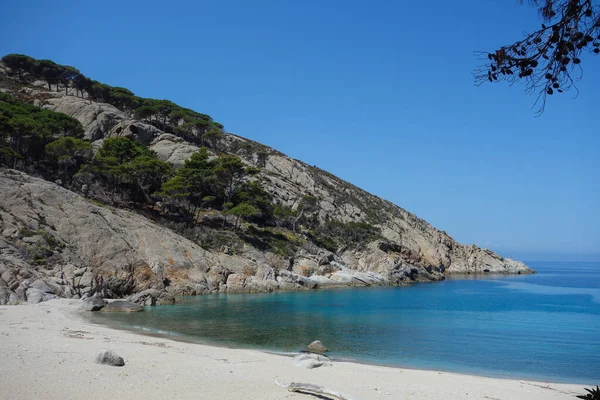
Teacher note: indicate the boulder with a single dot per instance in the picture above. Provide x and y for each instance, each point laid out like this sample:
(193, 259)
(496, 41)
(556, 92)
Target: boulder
(97, 119)
(108, 357)
(7, 296)
(236, 283)
(310, 361)
(38, 292)
(291, 277)
(357, 278)
(152, 297)
(265, 273)
(136, 130)
(92, 304)
(35, 296)
(173, 149)
(41, 285)
(122, 306)
(317, 346)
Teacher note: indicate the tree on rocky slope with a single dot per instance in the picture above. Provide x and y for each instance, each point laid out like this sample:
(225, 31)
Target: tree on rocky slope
(144, 112)
(254, 194)
(211, 137)
(164, 114)
(50, 71)
(176, 193)
(222, 182)
(25, 130)
(348, 234)
(231, 172)
(283, 216)
(121, 148)
(98, 91)
(8, 155)
(67, 155)
(547, 60)
(156, 111)
(191, 185)
(148, 173)
(242, 211)
(18, 64)
(198, 171)
(306, 208)
(123, 99)
(66, 76)
(127, 167)
(81, 83)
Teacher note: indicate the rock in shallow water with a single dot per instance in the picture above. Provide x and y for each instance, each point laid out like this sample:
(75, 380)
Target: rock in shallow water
(122, 306)
(317, 346)
(109, 357)
(152, 297)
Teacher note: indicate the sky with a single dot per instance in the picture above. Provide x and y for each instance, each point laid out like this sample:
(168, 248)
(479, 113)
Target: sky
(380, 93)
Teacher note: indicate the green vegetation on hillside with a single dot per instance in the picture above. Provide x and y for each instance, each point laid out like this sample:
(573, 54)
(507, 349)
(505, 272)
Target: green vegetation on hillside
(125, 172)
(193, 126)
(25, 130)
(334, 235)
(211, 192)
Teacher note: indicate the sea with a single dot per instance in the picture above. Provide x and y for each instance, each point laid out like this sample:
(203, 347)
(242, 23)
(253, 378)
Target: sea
(543, 327)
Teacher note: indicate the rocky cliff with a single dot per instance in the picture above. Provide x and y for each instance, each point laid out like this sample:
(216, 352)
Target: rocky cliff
(53, 241)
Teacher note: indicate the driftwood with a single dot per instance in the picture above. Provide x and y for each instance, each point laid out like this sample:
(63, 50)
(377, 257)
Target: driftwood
(314, 389)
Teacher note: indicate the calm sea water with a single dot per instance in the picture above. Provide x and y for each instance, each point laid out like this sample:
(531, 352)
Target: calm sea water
(544, 326)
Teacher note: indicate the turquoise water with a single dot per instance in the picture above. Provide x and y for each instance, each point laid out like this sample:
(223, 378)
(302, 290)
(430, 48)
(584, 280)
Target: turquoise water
(544, 326)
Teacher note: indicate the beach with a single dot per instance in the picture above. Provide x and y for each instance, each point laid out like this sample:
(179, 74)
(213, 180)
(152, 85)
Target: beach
(48, 351)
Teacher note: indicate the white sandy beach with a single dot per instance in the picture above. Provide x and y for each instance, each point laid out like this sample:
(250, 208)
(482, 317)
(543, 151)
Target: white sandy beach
(47, 351)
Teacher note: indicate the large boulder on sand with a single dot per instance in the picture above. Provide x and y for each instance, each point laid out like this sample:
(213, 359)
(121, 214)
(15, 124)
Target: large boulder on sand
(317, 346)
(7, 296)
(39, 291)
(310, 361)
(122, 306)
(92, 304)
(109, 357)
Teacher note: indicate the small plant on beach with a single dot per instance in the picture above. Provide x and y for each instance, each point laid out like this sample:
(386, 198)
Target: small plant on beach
(593, 394)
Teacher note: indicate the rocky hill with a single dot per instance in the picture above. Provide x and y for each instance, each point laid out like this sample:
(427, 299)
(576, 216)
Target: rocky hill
(58, 239)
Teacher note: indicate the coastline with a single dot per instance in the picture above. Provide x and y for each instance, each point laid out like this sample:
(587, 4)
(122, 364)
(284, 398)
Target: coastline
(48, 350)
(177, 337)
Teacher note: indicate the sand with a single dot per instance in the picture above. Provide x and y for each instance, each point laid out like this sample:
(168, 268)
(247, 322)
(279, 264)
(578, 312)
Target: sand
(47, 351)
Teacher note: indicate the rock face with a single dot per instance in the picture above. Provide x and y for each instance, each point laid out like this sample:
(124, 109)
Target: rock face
(407, 237)
(78, 248)
(122, 306)
(97, 118)
(109, 357)
(172, 148)
(73, 247)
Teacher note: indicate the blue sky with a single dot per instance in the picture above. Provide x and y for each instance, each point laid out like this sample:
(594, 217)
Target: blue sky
(379, 93)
